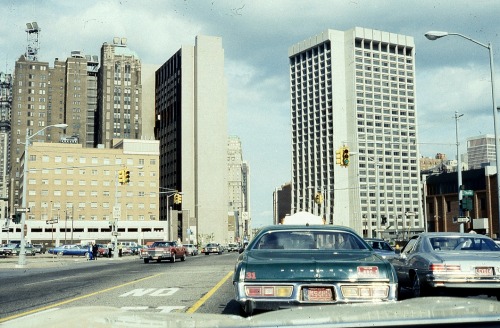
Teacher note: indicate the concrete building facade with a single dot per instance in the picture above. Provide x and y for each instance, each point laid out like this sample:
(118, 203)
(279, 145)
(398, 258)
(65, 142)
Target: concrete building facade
(481, 151)
(191, 125)
(77, 188)
(356, 88)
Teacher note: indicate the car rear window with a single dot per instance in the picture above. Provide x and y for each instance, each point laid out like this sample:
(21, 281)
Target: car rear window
(310, 240)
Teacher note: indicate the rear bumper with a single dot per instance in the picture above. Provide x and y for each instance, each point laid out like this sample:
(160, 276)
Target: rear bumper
(296, 299)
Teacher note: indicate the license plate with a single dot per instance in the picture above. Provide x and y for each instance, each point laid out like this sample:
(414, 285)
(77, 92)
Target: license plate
(484, 271)
(317, 294)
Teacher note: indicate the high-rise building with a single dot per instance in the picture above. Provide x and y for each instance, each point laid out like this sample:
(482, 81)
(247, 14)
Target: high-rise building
(356, 89)
(119, 106)
(282, 197)
(5, 112)
(481, 151)
(246, 216)
(191, 125)
(237, 188)
(43, 96)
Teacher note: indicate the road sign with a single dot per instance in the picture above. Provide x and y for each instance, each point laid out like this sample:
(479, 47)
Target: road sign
(52, 221)
(463, 219)
(467, 192)
(25, 210)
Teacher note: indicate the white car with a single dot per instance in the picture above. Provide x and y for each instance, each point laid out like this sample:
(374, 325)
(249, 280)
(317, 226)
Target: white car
(191, 249)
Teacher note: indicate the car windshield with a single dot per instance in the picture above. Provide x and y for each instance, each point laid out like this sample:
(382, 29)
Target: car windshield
(380, 245)
(309, 240)
(463, 244)
(163, 244)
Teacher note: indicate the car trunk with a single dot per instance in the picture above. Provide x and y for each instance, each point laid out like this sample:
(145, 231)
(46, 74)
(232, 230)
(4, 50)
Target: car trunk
(320, 265)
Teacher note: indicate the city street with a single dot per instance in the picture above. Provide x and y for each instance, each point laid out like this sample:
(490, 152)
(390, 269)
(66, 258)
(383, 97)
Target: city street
(48, 283)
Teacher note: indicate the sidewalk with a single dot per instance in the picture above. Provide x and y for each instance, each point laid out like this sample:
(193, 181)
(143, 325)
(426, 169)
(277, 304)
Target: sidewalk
(55, 261)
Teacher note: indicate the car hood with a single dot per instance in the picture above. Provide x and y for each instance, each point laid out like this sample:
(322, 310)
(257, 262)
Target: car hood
(306, 265)
(425, 312)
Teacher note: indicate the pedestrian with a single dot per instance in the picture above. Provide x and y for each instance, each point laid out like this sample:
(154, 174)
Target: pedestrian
(95, 250)
(90, 253)
(110, 249)
(120, 247)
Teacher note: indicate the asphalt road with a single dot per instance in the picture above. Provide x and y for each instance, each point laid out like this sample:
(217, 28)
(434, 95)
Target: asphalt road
(200, 284)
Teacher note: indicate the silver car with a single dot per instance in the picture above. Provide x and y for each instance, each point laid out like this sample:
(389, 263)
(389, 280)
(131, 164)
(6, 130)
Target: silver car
(448, 261)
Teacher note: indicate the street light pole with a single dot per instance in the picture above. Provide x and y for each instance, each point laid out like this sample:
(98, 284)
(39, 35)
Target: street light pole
(434, 35)
(459, 171)
(22, 252)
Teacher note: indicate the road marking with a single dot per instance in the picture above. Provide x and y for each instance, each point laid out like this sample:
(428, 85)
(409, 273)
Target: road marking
(134, 308)
(202, 300)
(22, 314)
(151, 291)
(168, 309)
(45, 281)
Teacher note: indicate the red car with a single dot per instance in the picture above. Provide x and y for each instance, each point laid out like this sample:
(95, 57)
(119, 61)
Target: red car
(102, 250)
(164, 250)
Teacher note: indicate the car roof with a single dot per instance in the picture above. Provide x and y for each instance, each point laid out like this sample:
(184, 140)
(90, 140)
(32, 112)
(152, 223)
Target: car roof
(279, 227)
(451, 234)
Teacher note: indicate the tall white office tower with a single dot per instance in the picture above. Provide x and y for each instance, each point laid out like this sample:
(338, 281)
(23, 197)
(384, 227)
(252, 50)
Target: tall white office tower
(356, 89)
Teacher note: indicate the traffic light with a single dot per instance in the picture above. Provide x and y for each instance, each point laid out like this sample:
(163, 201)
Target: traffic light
(345, 157)
(126, 176)
(121, 176)
(177, 198)
(338, 156)
(16, 218)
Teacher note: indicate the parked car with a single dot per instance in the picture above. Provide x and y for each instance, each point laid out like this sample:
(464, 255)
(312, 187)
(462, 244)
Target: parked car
(39, 248)
(381, 247)
(15, 249)
(212, 248)
(233, 247)
(74, 250)
(5, 251)
(164, 250)
(449, 261)
(191, 249)
(296, 265)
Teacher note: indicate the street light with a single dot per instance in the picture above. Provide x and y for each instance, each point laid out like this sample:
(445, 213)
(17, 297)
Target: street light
(459, 171)
(434, 35)
(22, 253)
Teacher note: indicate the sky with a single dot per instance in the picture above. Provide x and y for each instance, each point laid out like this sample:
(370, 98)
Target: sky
(452, 73)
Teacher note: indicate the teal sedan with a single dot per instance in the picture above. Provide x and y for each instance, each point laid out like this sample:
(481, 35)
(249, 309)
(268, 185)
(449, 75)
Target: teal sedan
(298, 265)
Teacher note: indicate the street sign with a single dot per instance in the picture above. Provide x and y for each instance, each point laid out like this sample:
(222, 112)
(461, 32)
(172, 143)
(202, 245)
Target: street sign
(463, 219)
(25, 210)
(468, 193)
(52, 221)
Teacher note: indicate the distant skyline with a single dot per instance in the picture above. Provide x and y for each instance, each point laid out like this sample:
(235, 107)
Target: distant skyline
(452, 73)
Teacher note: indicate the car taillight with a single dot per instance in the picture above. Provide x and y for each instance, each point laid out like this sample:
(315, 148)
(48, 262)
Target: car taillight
(268, 291)
(365, 291)
(444, 267)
